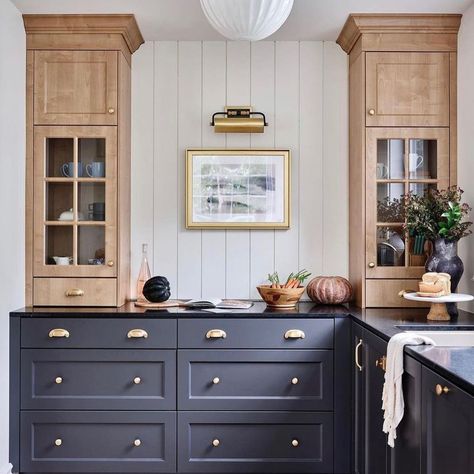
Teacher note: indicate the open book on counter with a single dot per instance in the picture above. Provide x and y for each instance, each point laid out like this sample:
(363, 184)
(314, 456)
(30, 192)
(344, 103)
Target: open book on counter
(218, 303)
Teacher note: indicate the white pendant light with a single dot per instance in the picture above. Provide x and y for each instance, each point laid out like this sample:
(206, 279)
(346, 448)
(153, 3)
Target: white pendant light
(250, 20)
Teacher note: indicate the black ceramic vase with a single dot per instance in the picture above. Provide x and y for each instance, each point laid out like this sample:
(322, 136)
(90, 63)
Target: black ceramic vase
(444, 259)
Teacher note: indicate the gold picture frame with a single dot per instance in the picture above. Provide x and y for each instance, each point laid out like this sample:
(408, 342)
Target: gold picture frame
(238, 188)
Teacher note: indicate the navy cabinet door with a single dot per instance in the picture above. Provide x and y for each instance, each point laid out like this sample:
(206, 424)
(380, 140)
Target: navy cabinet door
(97, 379)
(255, 380)
(236, 442)
(358, 381)
(447, 427)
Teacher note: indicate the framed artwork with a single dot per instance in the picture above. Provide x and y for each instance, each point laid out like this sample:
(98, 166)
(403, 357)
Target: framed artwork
(245, 189)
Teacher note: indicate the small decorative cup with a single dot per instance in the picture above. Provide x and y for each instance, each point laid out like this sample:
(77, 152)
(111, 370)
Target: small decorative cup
(96, 169)
(67, 169)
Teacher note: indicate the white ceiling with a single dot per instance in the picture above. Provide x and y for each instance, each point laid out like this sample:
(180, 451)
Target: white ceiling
(184, 20)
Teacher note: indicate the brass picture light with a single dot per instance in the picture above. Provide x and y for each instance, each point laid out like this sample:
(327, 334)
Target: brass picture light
(238, 119)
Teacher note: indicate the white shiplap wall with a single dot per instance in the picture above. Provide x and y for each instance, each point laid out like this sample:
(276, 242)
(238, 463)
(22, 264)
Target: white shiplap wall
(302, 88)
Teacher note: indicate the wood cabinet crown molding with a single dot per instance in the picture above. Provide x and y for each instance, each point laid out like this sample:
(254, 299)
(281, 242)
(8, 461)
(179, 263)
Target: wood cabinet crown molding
(384, 23)
(124, 25)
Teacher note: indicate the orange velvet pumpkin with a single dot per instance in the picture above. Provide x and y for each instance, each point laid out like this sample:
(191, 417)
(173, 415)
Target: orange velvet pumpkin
(329, 290)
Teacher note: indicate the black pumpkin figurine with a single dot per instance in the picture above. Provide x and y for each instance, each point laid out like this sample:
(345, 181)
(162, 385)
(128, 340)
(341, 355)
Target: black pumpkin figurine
(157, 289)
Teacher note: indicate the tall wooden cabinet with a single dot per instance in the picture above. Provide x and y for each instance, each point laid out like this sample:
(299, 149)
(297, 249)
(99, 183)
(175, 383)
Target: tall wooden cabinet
(402, 113)
(78, 158)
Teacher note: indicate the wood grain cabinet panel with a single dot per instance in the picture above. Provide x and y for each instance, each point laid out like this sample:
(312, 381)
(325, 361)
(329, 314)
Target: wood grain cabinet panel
(75, 88)
(407, 89)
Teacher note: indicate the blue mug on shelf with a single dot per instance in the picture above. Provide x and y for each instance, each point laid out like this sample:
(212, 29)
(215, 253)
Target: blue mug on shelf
(96, 169)
(67, 169)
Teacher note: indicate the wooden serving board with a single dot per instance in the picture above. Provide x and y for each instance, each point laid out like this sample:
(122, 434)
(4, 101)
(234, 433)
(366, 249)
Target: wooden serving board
(164, 304)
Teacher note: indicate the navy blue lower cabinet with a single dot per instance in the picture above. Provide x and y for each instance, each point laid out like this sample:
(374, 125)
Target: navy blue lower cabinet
(93, 442)
(270, 442)
(296, 380)
(97, 379)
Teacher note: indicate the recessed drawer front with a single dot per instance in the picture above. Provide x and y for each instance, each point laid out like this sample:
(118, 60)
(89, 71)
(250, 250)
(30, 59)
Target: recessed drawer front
(256, 334)
(88, 379)
(255, 442)
(72, 333)
(255, 380)
(98, 442)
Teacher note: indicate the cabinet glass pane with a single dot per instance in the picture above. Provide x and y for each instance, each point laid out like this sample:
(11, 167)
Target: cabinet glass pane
(419, 249)
(91, 156)
(59, 245)
(389, 202)
(59, 201)
(59, 157)
(422, 159)
(390, 246)
(91, 201)
(91, 245)
(390, 162)
(421, 188)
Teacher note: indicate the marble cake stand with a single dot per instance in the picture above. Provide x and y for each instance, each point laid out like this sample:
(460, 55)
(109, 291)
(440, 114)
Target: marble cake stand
(438, 310)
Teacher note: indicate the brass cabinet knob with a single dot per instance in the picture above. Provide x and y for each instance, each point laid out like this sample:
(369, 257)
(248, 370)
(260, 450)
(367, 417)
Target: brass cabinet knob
(216, 380)
(216, 334)
(294, 334)
(371, 111)
(59, 332)
(111, 110)
(137, 442)
(439, 389)
(74, 292)
(137, 334)
(371, 265)
(110, 263)
(215, 442)
(58, 442)
(295, 443)
(294, 380)
(58, 380)
(137, 380)
(381, 363)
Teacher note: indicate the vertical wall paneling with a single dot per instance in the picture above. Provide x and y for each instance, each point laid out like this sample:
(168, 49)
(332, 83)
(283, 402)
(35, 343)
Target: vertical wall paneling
(213, 100)
(287, 136)
(262, 89)
(238, 241)
(142, 202)
(335, 155)
(166, 178)
(311, 157)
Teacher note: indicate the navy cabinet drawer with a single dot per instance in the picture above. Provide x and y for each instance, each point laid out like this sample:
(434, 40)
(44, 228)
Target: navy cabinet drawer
(98, 333)
(81, 379)
(255, 442)
(255, 380)
(87, 441)
(256, 334)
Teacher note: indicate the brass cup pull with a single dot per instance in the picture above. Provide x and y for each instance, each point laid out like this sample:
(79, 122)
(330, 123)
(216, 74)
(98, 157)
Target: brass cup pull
(137, 334)
(294, 334)
(295, 443)
(215, 442)
(58, 380)
(137, 380)
(111, 110)
(74, 292)
(356, 355)
(58, 442)
(371, 265)
(381, 363)
(216, 334)
(58, 332)
(137, 442)
(216, 380)
(371, 111)
(439, 389)
(294, 380)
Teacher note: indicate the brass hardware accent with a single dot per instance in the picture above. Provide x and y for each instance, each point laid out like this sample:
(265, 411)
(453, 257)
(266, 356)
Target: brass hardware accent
(137, 442)
(110, 263)
(137, 380)
(58, 442)
(58, 380)
(404, 292)
(137, 334)
(294, 380)
(215, 442)
(371, 111)
(238, 119)
(381, 362)
(216, 334)
(74, 292)
(111, 110)
(58, 332)
(439, 389)
(294, 334)
(371, 265)
(357, 362)
(216, 380)
(295, 443)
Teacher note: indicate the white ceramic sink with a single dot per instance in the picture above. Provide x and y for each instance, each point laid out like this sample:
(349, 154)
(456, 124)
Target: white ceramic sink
(449, 338)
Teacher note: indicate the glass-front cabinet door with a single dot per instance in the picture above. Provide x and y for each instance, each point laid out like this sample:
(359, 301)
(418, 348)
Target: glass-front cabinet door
(75, 201)
(400, 161)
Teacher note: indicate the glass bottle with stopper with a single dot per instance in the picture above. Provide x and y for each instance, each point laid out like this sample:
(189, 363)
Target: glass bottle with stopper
(144, 274)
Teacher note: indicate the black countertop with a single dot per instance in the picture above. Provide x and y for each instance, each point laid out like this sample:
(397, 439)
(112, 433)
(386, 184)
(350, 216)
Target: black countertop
(454, 363)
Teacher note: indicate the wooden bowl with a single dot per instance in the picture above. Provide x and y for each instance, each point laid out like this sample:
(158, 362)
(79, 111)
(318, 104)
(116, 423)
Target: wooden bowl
(280, 297)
